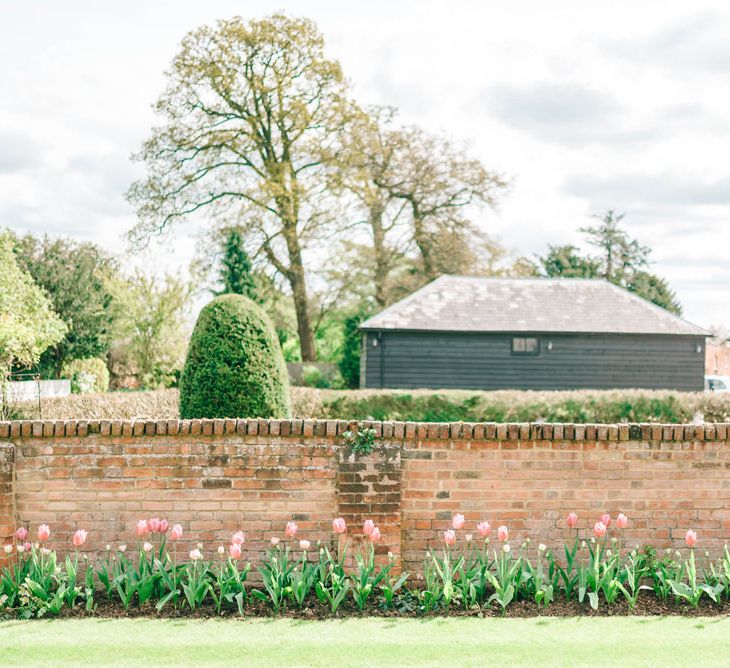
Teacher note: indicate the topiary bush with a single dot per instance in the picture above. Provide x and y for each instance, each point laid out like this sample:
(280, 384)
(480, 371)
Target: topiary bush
(234, 366)
(86, 375)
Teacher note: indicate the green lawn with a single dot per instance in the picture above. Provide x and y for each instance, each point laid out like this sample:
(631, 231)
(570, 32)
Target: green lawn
(621, 641)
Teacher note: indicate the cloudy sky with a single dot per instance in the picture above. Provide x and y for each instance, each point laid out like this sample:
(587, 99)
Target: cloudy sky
(583, 105)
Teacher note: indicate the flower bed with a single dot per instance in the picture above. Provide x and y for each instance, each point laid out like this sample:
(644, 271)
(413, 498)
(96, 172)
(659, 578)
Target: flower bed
(596, 573)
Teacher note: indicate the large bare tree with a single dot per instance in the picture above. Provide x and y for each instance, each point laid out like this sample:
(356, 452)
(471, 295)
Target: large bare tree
(249, 110)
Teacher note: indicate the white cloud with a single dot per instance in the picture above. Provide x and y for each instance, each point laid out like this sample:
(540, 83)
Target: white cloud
(584, 105)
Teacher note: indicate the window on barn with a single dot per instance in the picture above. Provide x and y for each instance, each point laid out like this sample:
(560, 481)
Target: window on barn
(529, 345)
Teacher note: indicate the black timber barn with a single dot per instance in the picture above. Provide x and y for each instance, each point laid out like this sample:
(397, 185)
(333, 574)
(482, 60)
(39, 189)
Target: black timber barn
(531, 334)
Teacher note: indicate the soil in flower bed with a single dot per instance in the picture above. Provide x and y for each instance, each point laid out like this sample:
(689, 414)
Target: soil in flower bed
(648, 605)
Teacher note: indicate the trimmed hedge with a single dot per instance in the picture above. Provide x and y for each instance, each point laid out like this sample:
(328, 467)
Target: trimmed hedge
(234, 366)
(579, 406)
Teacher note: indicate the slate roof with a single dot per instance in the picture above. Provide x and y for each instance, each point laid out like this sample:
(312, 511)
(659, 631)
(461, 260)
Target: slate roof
(477, 304)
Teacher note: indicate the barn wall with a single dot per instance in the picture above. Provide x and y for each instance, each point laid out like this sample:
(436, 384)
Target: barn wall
(576, 361)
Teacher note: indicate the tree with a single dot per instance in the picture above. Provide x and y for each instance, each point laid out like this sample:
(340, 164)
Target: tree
(235, 273)
(74, 275)
(249, 110)
(566, 261)
(234, 366)
(151, 329)
(621, 260)
(349, 362)
(28, 324)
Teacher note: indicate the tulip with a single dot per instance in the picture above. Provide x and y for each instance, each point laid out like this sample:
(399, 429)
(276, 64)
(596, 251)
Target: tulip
(450, 537)
(164, 524)
(153, 524)
(367, 527)
(541, 547)
(375, 535)
(571, 520)
(622, 521)
(122, 548)
(606, 520)
(484, 529)
(690, 538)
(176, 532)
(234, 551)
(506, 548)
(21, 534)
(222, 550)
(468, 537)
(503, 533)
(274, 541)
(44, 533)
(147, 547)
(195, 554)
(304, 544)
(238, 538)
(599, 528)
(141, 528)
(457, 521)
(338, 525)
(80, 537)
(291, 529)
(8, 549)
(20, 548)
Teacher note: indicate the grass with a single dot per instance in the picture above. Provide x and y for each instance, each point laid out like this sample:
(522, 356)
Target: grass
(537, 642)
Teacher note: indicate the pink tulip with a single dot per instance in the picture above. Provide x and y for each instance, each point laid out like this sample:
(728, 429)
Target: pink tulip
(450, 537)
(690, 538)
(21, 534)
(27, 546)
(153, 524)
(80, 537)
(338, 525)
(304, 544)
(141, 528)
(484, 529)
(457, 521)
(375, 535)
(238, 538)
(291, 529)
(274, 541)
(147, 547)
(622, 521)
(367, 527)
(44, 533)
(164, 524)
(606, 520)
(599, 528)
(176, 532)
(196, 554)
(571, 520)
(234, 550)
(503, 533)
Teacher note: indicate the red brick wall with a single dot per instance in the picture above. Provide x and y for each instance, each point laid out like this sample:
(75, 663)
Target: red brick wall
(218, 476)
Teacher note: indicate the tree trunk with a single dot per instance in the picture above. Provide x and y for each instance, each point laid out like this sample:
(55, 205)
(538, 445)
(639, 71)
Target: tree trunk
(295, 274)
(424, 246)
(381, 262)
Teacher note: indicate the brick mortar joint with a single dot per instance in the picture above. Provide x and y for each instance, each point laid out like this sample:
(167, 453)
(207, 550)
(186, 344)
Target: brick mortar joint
(315, 429)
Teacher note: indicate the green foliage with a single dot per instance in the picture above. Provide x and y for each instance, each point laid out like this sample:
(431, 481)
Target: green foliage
(151, 327)
(234, 366)
(620, 260)
(75, 277)
(235, 273)
(580, 406)
(312, 376)
(87, 375)
(349, 362)
(361, 440)
(28, 323)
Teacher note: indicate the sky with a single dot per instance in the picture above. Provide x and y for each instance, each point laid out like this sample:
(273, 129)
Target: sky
(583, 106)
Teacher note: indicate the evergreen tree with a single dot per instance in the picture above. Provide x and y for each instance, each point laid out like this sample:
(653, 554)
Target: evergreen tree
(236, 273)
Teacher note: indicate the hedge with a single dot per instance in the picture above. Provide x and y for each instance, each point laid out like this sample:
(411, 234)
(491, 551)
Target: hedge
(516, 406)
(234, 366)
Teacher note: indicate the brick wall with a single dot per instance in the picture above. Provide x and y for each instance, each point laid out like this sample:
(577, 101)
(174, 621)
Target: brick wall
(219, 476)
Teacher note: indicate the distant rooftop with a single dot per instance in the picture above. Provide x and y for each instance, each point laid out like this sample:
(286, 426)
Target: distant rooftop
(477, 304)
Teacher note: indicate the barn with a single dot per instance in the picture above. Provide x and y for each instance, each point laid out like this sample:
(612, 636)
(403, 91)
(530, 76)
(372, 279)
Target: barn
(531, 334)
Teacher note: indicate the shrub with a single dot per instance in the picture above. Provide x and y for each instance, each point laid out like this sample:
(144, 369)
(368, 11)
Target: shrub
(86, 375)
(349, 362)
(234, 366)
